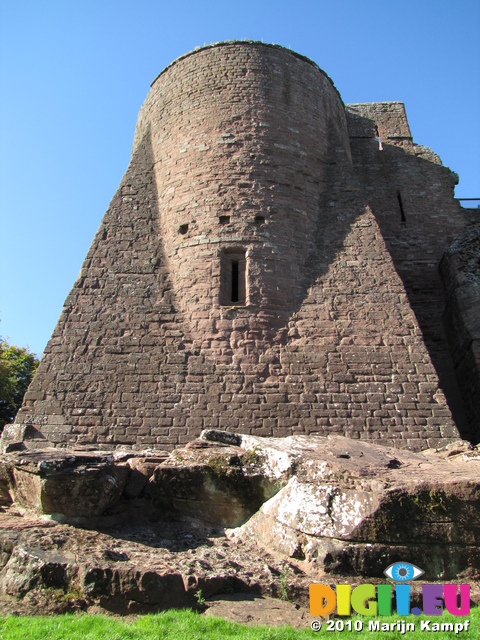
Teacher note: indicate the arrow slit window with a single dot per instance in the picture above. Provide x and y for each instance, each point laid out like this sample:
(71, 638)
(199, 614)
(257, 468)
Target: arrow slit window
(233, 270)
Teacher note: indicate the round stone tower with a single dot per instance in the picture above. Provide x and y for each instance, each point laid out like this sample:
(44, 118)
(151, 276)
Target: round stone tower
(239, 279)
(243, 135)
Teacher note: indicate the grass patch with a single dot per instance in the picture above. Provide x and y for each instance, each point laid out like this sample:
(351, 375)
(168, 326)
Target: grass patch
(169, 625)
(187, 625)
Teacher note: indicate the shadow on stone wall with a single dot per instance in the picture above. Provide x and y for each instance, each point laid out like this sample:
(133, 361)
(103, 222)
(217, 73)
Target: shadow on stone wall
(113, 342)
(412, 198)
(460, 270)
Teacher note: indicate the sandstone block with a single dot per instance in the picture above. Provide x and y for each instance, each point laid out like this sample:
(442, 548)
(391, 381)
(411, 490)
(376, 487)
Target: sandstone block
(67, 483)
(351, 506)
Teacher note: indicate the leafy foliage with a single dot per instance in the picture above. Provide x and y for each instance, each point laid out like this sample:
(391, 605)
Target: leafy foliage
(17, 366)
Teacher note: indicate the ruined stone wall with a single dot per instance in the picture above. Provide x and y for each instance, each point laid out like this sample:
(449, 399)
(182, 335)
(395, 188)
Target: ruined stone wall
(460, 270)
(411, 195)
(242, 171)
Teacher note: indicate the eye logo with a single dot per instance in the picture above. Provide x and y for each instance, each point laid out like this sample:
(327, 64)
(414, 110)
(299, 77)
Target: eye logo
(403, 572)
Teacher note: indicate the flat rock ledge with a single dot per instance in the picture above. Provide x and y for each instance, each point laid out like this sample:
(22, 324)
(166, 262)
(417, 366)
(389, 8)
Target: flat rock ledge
(131, 531)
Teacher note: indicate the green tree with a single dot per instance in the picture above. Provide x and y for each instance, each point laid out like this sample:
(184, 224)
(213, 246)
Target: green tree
(17, 366)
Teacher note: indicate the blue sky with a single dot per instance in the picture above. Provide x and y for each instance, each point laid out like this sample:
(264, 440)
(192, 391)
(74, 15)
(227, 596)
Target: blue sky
(73, 76)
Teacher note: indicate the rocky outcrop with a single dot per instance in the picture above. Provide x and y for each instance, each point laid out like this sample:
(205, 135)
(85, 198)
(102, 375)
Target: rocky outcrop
(353, 508)
(145, 563)
(67, 483)
(218, 483)
(319, 505)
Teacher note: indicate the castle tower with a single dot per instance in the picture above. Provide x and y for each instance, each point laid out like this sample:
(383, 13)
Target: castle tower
(245, 276)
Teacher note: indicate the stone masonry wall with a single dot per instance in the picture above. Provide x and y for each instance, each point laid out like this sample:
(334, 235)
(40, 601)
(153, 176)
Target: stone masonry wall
(411, 196)
(242, 155)
(460, 270)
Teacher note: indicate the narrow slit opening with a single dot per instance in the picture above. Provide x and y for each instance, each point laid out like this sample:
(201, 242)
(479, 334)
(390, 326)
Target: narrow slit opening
(235, 283)
(233, 278)
(400, 204)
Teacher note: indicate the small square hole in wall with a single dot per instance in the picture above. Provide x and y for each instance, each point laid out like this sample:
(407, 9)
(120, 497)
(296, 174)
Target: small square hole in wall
(183, 228)
(233, 271)
(259, 219)
(224, 219)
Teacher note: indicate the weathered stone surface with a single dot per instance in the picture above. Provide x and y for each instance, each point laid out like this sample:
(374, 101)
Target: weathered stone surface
(138, 584)
(133, 566)
(354, 507)
(142, 469)
(15, 437)
(220, 485)
(249, 608)
(76, 483)
(341, 507)
(27, 569)
(338, 502)
(6, 481)
(67, 483)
